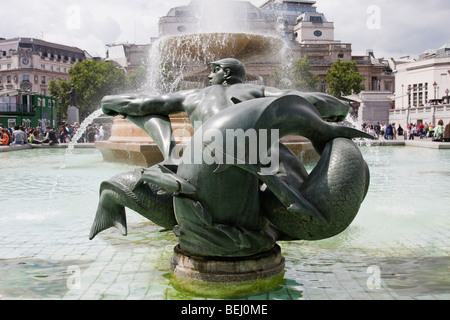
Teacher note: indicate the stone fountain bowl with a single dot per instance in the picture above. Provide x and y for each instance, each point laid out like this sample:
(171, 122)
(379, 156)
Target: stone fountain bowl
(203, 48)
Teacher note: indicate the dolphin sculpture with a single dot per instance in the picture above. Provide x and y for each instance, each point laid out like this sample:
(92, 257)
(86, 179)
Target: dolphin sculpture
(237, 209)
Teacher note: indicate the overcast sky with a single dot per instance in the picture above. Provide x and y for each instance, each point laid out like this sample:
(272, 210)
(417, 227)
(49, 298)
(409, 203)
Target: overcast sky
(392, 28)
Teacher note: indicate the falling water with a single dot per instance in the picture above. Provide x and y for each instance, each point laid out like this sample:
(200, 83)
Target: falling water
(81, 130)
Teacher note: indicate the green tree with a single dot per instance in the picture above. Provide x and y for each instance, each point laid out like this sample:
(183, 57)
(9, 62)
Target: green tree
(297, 76)
(304, 79)
(92, 80)
(135, 80)
(344, 78)
(60, 89)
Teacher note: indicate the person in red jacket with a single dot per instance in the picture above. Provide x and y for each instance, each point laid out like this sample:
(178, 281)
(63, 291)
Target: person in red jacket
(421, 130)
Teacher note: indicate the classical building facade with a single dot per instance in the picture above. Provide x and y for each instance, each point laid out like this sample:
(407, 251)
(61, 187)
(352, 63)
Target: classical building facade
(128, 57)
(423, 88)
(29, 64)
(307, 33)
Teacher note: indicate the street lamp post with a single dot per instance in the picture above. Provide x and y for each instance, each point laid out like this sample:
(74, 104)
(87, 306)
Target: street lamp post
(435, 93)
(409, 106)
(433, 117)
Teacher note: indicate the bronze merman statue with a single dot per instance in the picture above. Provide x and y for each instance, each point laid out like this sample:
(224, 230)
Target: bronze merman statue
(222, 205)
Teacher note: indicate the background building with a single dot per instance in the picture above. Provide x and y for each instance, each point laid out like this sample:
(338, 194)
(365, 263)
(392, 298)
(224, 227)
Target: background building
(27, 66)
(423, 86)
(307, 33)
(128, 57)
(26, 109)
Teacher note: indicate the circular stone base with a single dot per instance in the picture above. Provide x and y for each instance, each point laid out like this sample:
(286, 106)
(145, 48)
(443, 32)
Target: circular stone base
(222, 278)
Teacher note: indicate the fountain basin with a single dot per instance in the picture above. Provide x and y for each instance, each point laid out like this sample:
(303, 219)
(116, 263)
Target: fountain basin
(402, 230)
(129, 144)
(204, 48)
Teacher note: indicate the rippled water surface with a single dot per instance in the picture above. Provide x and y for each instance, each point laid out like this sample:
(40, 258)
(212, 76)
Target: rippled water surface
(397, 247)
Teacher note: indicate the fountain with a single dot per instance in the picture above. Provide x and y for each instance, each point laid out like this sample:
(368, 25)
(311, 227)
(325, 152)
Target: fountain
(187, 58)
(45, 253)
(227, 199)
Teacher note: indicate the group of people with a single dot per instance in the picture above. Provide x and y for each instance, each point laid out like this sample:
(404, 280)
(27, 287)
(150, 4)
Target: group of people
(21, 136)
(389, 131)
(36, 135)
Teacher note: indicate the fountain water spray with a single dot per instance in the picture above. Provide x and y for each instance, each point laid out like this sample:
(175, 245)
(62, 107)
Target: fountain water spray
(74, 141)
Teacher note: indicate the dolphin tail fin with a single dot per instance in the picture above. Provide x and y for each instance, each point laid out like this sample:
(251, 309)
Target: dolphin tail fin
(337, 131)
(109, 214)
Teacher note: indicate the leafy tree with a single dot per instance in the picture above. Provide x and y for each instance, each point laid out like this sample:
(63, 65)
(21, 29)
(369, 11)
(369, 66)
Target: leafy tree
(92, 80)
(135, 80)
(61, 89)
(296, 76)
(304, 79)
(344, 78)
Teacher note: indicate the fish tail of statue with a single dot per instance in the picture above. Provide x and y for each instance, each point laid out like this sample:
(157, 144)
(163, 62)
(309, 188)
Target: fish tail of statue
(336, 188)
(127, 190)
(109, 214)
(293, 114)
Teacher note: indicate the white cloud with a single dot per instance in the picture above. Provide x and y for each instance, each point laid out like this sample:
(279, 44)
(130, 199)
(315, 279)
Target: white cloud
(405, 27)
(401, 28)
(73, 18)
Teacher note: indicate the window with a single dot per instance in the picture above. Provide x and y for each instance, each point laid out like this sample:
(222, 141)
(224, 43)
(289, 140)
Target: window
(316, 19)
(8, 79)
(43, 80)
(11, 123)
(26, 78)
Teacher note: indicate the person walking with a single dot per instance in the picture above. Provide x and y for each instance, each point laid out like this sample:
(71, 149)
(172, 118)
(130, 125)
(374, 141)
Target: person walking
(411, 132)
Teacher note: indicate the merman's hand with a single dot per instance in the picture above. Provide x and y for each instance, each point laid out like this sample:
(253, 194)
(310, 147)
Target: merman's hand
(117, 105)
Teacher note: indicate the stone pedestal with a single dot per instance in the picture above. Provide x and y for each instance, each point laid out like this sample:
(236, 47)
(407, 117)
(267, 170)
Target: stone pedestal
(130, 144)
(73, 115)
(221, 277)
